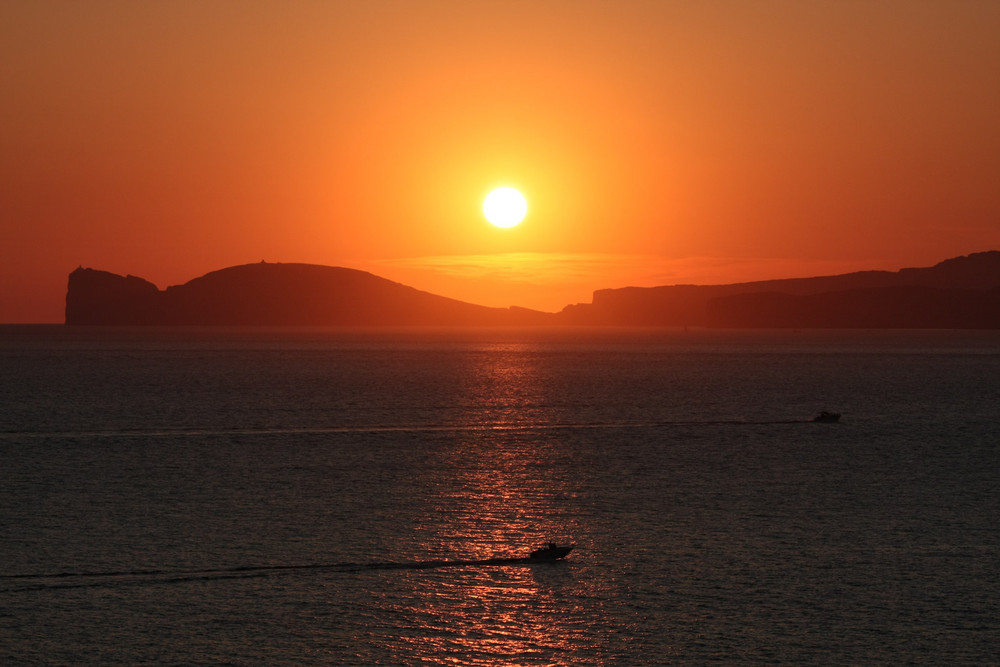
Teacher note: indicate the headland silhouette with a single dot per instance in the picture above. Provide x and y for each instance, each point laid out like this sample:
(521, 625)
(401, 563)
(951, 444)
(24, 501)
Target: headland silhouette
(960, 293)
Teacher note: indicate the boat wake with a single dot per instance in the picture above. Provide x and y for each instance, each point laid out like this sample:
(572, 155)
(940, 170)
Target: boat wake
(442, 428)
(12, 583)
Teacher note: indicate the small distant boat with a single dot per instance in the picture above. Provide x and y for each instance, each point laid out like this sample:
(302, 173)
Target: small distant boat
(552, 552)
(827, 417)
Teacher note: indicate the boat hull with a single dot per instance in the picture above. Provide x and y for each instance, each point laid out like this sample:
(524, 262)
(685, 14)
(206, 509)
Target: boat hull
(550, 553)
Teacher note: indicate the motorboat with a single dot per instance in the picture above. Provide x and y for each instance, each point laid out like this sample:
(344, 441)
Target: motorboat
(827, 417)
(551, 552)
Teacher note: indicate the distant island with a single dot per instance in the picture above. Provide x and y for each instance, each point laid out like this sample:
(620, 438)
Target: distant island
(958, 293)
(275, 294)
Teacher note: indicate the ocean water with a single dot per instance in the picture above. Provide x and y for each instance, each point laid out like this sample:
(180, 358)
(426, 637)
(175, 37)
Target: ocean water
(226, 496)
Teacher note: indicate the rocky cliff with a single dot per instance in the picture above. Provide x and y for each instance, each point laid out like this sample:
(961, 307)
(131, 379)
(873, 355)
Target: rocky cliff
(99, 297)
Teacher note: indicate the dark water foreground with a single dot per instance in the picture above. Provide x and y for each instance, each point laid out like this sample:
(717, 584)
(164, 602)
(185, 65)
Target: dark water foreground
(213, 496)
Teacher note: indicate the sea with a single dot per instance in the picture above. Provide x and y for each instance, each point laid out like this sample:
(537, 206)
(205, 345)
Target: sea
(203, 496)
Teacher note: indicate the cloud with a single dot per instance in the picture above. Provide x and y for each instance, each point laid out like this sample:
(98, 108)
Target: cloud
(527, 267)
(618, 270)
(549, 281)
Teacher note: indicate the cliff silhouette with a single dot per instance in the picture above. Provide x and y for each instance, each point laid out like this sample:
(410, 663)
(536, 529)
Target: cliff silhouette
(962, 292)
(273, 294)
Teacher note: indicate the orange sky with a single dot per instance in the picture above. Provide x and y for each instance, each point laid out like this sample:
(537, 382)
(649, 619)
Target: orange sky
(656, 142)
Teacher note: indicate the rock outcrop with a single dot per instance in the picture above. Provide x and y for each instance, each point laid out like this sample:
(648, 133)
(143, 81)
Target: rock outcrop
(99, 297)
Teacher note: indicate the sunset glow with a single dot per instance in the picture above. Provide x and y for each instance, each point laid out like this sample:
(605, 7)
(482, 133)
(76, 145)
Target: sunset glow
(686, 140)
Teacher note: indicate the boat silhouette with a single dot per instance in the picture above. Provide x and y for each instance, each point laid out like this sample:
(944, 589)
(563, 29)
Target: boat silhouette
(551, 552)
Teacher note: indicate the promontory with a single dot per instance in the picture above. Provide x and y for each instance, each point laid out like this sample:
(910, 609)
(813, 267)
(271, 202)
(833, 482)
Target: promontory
(958, 293)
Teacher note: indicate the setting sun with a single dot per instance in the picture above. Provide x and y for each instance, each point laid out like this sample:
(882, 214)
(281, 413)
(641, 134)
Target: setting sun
(505, 207)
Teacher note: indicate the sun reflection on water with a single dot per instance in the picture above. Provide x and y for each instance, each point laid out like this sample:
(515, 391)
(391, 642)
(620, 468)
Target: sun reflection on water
(495, 616)
(501, 493)
(502, 386)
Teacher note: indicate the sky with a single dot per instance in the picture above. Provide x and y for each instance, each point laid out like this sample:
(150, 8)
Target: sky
(655, 142)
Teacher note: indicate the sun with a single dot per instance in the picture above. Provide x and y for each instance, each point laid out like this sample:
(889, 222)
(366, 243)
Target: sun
(505, 207)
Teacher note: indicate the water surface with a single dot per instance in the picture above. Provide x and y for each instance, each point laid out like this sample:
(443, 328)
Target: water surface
(220, 495)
